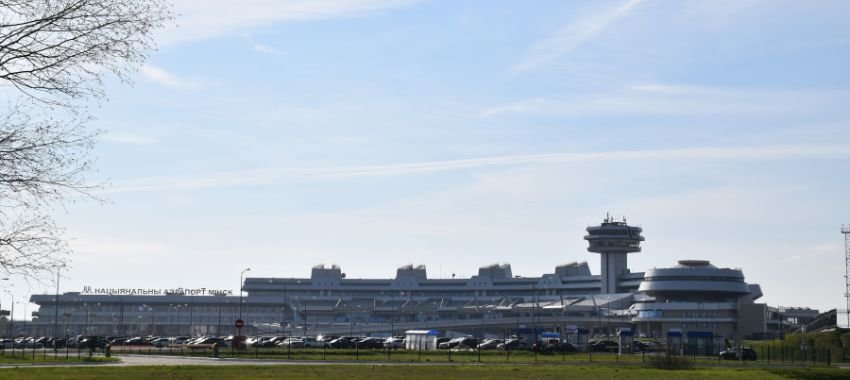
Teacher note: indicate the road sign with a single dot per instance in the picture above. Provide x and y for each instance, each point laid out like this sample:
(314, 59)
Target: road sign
(239, 323)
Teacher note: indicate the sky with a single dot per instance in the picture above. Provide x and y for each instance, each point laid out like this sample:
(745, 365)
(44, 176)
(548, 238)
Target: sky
(277, 135)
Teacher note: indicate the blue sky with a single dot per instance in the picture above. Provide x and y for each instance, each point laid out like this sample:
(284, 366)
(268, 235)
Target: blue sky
(371, 134)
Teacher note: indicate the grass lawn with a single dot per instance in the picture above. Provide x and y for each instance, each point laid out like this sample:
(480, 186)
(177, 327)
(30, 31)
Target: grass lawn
(25, 359)
(372, 372)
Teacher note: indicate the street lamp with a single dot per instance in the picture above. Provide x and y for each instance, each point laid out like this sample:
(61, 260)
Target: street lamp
(241, 275)
(56, 312)
(12, 312)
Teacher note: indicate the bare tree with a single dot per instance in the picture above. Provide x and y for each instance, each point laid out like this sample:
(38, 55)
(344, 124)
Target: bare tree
(55, 54)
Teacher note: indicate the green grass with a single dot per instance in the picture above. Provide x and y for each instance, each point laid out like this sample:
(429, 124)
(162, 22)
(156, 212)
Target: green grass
(490, 356)
(493, 372)
(41, 357)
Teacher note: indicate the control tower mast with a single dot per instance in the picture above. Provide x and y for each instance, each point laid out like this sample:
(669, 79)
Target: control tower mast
(614, 240)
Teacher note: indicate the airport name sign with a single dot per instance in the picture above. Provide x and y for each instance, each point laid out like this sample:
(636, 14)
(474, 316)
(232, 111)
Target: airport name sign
(155, 292)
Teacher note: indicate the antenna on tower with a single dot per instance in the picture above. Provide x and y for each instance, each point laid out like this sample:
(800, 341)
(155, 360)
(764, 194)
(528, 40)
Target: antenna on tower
(846, 231)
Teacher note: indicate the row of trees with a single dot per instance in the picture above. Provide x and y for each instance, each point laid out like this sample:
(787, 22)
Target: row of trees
(54, 58)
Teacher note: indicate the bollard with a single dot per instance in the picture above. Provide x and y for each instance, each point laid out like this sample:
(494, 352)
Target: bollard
(107, 350)
(215, 350)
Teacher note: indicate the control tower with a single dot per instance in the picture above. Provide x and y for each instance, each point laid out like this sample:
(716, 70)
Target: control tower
(614, 240)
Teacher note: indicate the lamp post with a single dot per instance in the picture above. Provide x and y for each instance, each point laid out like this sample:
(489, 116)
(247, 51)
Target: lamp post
(27, 328)
(56, 314)
(12, 312)
(88, 318)
(241, 275)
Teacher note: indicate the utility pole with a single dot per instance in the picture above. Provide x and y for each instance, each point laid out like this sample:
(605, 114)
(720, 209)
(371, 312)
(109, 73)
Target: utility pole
(846, 231)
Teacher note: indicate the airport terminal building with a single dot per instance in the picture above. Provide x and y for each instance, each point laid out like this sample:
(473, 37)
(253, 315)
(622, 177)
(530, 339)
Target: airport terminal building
(691, 300)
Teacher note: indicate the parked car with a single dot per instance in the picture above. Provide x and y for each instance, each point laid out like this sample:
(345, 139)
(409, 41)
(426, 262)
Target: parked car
(56, 342)
(490, 344)
(460, 343)
(291, 343)
(342, 342)
(512, 344)
(179, 340)
(74, 341)
(161, 342)
(370, 343)
(396, 342)
(210, 340)
(645, 346)
(93, 342)
(734, 354)
(313, 343)
(326, 338)
(137, 341)
(605, 346)
(117, 340)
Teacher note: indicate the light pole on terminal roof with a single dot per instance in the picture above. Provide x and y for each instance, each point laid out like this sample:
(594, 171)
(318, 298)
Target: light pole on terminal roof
(241, 287)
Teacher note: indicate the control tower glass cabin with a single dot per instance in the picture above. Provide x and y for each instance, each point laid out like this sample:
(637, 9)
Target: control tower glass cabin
(613, 240)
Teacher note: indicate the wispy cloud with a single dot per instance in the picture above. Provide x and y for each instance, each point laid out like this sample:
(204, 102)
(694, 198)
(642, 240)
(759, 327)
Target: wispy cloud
(259, 47)
(265, 49)
(200, 19)
(665, 99)
(168, 79)
(266, 176)
(573, 35)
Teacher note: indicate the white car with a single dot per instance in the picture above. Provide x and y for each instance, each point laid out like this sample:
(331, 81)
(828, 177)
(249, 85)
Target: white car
(313, 343)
